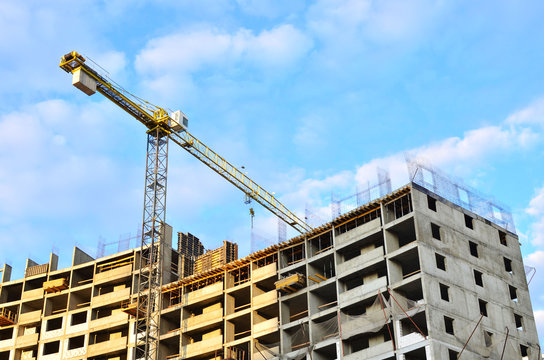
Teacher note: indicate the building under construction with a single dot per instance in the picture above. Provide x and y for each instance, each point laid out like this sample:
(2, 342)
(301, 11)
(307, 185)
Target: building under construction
(410, 275)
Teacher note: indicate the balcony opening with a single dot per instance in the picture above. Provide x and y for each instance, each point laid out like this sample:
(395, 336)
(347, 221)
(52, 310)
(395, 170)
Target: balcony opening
(297, 337)
(404, 265)
(6, 334)
(323, 298)
(412, 329)
(448, 325)
(321, 269)
(34, 284)
(358, 221)
(400, 234)
(431, 203)
(398, 208)
(444, 292)
(11, 293)
(238, 300)
(362, 247)
(294, 309)
(51, 348)
(440, 261)
(267, 260)
(325, 328)
(325, 352)
(360, 342)
(76, 342)
(56, 304)
(417, 354)
(293, 255)
(478, 278)
(82, 276)
(320, 243)
(238, 328)
(469, 222)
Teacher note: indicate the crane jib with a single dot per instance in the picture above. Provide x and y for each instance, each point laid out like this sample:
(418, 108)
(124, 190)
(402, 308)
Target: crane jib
(88, 80)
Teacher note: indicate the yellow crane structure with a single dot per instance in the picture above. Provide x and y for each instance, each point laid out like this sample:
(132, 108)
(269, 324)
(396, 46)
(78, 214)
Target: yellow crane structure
(162, 127)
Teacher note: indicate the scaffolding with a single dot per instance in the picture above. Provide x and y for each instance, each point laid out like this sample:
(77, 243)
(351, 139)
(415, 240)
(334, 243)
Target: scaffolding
(455, 191)
(218, 257)
(364, 194)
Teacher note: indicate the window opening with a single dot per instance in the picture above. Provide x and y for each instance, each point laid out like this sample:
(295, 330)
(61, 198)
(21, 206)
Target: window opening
(513, 293)
(431, 203)
(444, 292)
(448, 325)
(483, 307)
(440, 261)
(508, 265)
(469, 222)
(473, 248)
(519, 321)
(435, 229)
(478, 278)
(502, 238)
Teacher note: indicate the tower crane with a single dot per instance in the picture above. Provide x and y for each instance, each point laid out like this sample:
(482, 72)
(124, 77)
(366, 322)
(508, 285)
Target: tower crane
(162, 127)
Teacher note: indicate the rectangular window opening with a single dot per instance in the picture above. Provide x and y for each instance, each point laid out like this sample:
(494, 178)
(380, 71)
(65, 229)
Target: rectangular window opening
(478, 278)
(76, 342)
(444, 292)
(448, 325)
(51, 348)
(435, 229)
(473, 248)
(507, 265)
(440, 261)
(513, 293)
(483, 307)
(452, 354)
(79, 318)
(469, 222)
(53, 324)
(524, 350)
(431, 203)
(519, 321)
(502, 238)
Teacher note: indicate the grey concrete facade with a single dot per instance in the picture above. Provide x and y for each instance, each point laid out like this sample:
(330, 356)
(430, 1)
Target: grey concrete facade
(405, 277)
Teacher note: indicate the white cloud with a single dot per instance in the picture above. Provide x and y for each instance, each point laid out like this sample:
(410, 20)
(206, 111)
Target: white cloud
(459, 155)
(539, 319)
(114, 62)
(531, 115)
(370, 20)
(191, 51)
(536, 210)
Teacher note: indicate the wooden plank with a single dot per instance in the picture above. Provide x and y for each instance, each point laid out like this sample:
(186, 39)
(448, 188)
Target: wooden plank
(321, 276)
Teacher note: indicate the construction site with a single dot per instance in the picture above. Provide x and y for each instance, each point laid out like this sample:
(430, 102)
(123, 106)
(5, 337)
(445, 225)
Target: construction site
(429, 271)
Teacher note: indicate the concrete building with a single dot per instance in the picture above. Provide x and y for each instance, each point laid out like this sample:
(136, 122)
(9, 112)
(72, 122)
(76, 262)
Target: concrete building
(408, 276)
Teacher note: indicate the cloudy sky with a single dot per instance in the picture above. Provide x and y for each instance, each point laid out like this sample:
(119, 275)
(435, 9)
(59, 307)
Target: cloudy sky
(310, 97)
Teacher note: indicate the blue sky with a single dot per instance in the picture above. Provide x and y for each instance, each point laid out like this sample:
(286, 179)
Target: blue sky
(310, 97)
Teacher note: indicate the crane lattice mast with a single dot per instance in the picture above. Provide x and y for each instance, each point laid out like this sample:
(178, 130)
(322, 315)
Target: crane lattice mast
(163, 127)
